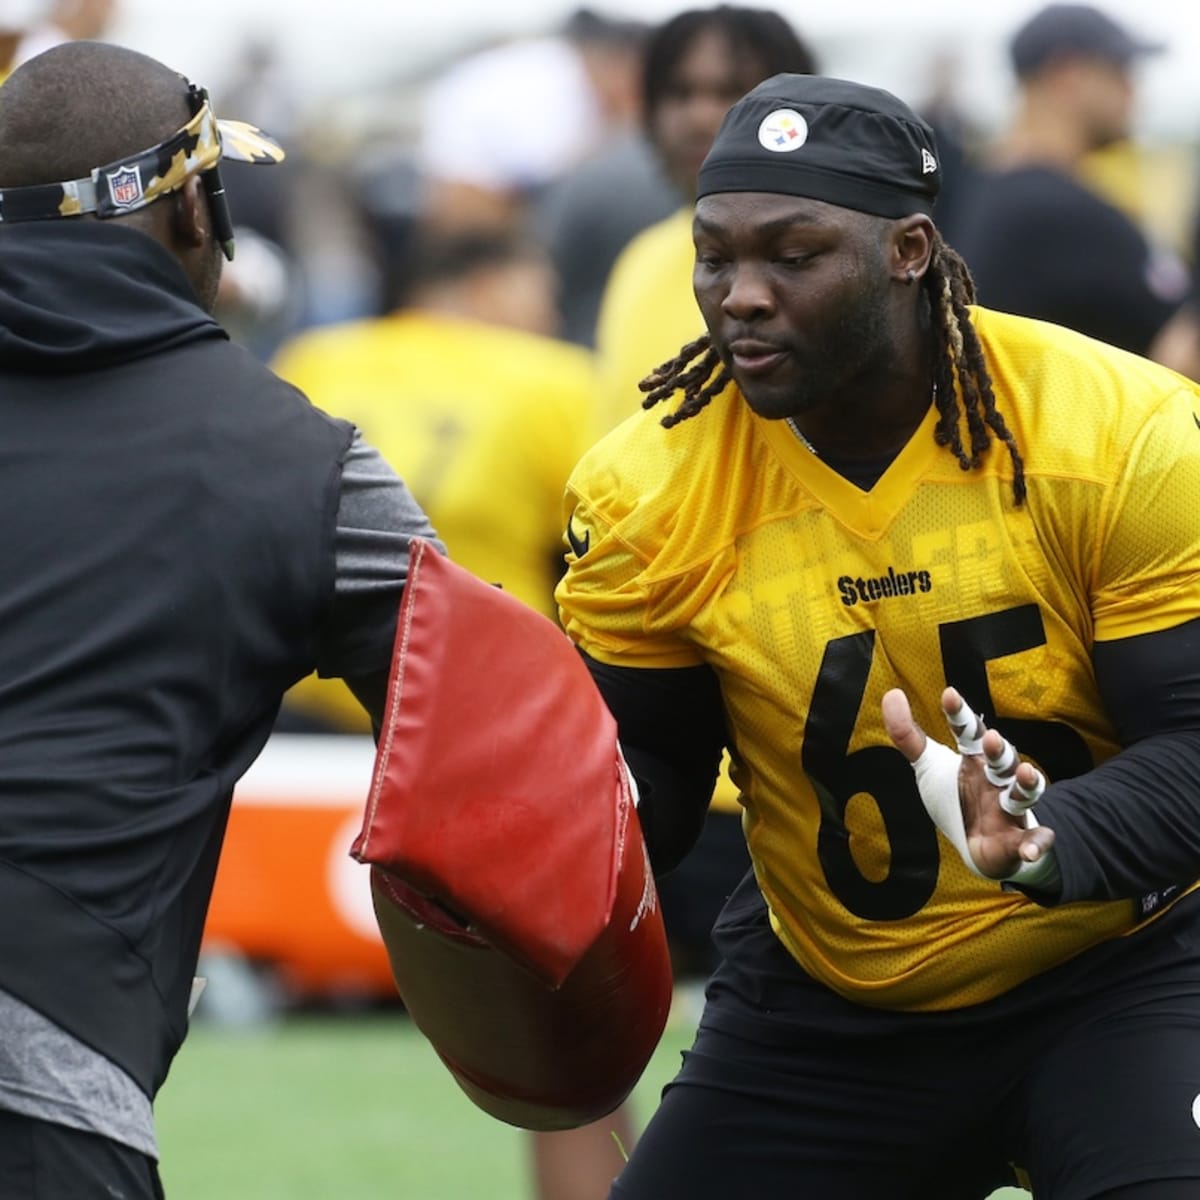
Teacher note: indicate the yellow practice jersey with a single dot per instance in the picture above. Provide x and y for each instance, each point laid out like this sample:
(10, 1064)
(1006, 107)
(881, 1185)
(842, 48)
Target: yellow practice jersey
(648, 311)
(484, 425)
(724, 541)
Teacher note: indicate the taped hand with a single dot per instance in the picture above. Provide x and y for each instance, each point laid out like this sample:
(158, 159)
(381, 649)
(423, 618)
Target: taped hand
(981, 797)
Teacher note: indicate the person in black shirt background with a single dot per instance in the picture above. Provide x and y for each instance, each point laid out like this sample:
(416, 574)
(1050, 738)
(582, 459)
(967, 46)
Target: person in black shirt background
(1041, 242)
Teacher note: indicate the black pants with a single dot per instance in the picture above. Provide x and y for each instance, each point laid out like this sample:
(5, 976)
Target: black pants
(41, 1161)
(1086, 1078)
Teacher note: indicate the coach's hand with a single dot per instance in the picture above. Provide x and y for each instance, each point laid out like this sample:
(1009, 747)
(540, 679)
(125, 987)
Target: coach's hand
(982, 797)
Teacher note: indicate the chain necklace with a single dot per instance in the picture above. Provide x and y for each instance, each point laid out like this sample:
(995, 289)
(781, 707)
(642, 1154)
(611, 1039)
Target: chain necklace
(803, 440)
(791, 421)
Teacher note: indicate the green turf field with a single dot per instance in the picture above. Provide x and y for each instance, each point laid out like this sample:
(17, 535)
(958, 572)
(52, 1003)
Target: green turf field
(352, 1107)
(347, 1107)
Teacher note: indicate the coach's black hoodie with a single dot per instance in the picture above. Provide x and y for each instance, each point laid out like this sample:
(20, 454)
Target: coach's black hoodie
(77, 296)
(166, 558)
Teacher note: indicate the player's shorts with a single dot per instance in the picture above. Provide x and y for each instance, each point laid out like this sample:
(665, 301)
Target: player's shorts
(43, 1161)
(1087, 1079)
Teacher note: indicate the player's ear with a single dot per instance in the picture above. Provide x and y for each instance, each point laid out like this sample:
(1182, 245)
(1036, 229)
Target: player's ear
(190, 221)
(911, 247)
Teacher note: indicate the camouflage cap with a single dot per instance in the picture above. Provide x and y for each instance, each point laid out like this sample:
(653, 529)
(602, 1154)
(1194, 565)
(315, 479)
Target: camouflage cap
(826, 139)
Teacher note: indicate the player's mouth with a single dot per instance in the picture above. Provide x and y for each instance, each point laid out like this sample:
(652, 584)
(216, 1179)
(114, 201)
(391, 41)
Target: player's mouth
(751, 357)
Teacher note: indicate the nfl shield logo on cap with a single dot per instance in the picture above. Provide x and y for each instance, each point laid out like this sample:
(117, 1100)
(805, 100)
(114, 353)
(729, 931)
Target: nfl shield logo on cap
(125, 186)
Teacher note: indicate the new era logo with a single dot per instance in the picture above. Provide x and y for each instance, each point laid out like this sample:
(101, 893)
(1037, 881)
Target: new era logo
(928, 163)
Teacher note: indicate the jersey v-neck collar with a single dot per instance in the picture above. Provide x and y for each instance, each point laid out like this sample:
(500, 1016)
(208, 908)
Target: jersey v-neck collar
(868, 514)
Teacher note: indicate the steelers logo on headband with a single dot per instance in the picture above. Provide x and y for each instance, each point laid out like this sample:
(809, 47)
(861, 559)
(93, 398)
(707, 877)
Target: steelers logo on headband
(782, 131)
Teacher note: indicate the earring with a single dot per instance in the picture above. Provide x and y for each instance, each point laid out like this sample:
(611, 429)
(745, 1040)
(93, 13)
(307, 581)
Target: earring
(910, 276)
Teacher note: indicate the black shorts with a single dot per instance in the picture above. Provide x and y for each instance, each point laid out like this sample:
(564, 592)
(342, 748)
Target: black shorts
(42, 1161)
(1087, 1079)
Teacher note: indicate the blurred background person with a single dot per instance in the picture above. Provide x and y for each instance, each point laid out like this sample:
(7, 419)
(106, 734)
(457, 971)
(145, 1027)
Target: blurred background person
(587, 215)
(1039, 237)
(40, 24)
(27, 27)
(960, 137)
(698, 63)
(263, 296)
(500, 124)
(17, 18)
(75, 20)
(464, 381)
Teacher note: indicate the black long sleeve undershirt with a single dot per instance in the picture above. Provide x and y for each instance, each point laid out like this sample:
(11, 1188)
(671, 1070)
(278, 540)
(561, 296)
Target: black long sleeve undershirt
(1132, 825)
(671, 724)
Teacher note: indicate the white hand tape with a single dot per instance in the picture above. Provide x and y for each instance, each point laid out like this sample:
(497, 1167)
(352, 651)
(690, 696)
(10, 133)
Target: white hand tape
(1018, 800)
(1043, 875)
(936, 772)
(1001, 770)
(937, 781)
(968, 729)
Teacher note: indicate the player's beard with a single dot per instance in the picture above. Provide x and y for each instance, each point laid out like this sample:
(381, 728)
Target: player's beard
(853, 345)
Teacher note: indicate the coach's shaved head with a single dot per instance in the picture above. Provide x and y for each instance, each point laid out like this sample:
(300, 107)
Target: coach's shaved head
(81, 105)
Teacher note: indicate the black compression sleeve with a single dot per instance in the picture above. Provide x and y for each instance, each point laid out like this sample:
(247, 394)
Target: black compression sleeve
(671, 725)
(1132, 825)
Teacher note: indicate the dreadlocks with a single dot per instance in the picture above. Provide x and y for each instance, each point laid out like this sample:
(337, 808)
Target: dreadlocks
(699, 374)
(959, 356)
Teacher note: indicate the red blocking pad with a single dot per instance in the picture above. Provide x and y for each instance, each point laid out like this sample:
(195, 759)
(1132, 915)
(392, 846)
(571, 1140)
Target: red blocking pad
(509, 876)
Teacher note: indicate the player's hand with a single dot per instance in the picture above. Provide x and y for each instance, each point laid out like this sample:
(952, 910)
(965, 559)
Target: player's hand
(982, 797)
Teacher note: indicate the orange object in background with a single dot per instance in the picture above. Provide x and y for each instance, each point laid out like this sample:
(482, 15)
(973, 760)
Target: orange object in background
(288, 896)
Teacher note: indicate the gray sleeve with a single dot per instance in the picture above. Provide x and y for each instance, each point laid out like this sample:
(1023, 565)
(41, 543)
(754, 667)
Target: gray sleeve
(377, 518)
(376, 521)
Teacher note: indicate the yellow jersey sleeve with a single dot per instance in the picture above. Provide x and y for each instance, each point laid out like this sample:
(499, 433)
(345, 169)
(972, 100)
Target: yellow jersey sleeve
(608, 603)
(1148, 556)
(639, 569)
